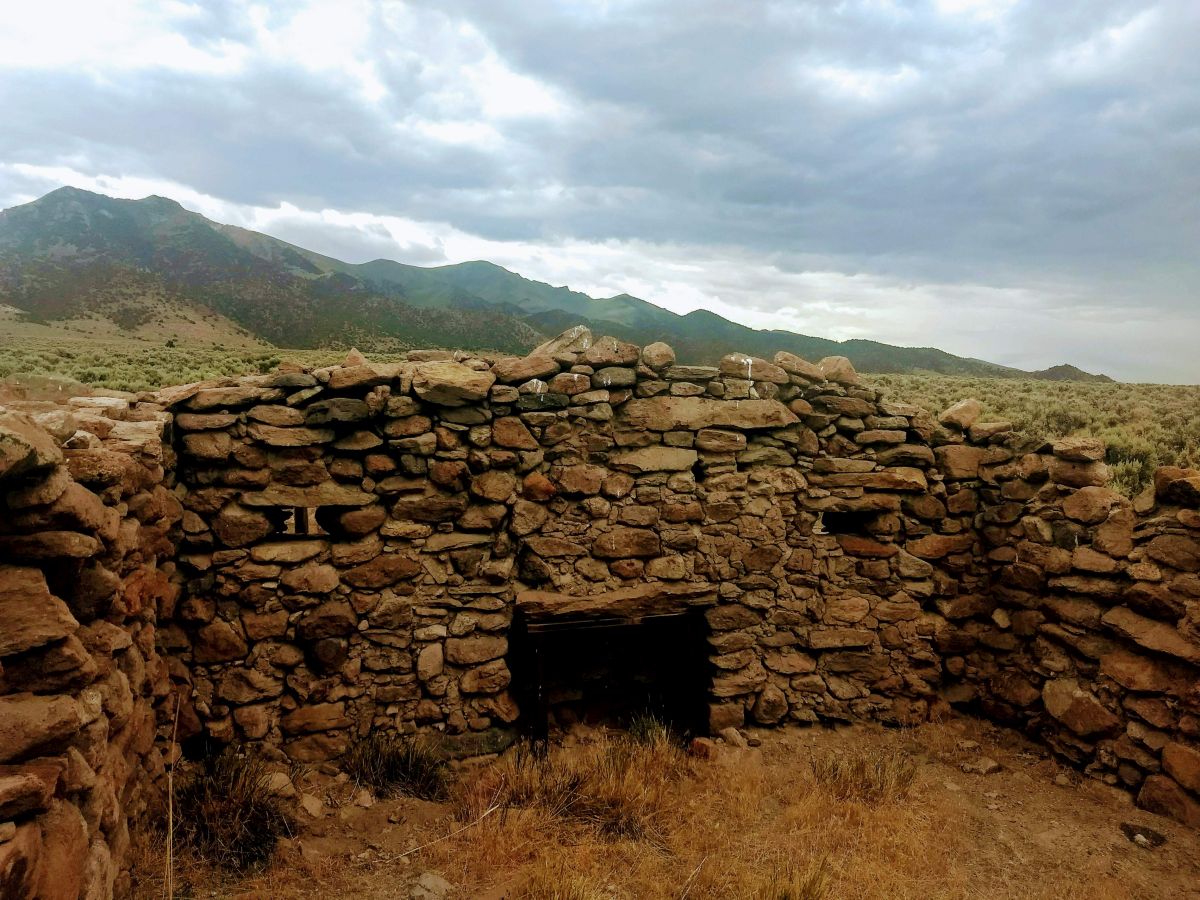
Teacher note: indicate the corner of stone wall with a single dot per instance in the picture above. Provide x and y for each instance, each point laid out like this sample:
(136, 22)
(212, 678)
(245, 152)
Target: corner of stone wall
(1088, 635)
(88, 534)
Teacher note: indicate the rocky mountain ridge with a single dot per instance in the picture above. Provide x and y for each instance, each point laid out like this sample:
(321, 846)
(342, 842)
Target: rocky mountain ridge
(73, 253)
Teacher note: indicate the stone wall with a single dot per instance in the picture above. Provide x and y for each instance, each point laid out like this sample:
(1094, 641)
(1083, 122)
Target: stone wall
(855, 557)
(355, 543)
(87, 538)
(448, 493)
(1090, 634)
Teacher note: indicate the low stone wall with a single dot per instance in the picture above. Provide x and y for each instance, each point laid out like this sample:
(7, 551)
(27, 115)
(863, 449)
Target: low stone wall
(856, 558)
(88, 533)
(447, 493)
(313, 555)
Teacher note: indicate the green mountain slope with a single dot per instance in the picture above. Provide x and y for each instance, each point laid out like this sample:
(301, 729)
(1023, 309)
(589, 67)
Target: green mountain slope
(75, 253)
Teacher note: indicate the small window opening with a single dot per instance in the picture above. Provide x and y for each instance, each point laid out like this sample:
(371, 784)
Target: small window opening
(300, 521)
(844, 523)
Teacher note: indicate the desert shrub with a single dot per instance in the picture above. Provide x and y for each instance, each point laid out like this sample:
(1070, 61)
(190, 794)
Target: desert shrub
(1143, 425)
(391, 763)
(868, 775)
(224, 811)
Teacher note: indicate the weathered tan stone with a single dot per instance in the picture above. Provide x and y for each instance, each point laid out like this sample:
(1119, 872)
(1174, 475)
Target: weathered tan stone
(693, 413)
(1076, 708)
(1078, 474)
(430, 662)
(30, 723)
(21, 863)
(1090, 504)
(382, 571)
(23, 792)
(510, 432)
(364, 375)
(654, 459)
(1079, 449)
(608, 351)
(936, 546)
(625, 543)
(49, 545)
(519, 369)
(960, 461)
(1163, 795)
(495, 485)
(316, 717)
(489, 678)
(795, 365)
(218, 642)
(751, 368)
(432, 508)
(287, 551)
(658, 356)
(25, 447)
(838, 369)
(1177, 551)
(1157, 636)
(241, 685)
(311, 578)
(574, 340)
(470, 651)
(64, 852)
(30, 616)
(962, 415)
(275, 436)
(446, 383)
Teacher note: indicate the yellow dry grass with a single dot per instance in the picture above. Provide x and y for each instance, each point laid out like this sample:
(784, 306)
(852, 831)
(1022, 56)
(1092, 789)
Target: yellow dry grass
(811, 814)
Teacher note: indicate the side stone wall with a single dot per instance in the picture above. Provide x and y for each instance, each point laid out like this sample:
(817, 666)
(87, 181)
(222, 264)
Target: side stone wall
(88, 531)
(1090, 634)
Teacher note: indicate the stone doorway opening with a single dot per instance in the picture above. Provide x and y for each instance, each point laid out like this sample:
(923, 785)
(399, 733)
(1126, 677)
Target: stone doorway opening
(610, 659)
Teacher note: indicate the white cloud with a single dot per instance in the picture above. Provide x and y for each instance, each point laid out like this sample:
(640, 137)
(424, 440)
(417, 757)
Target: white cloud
(107, 36)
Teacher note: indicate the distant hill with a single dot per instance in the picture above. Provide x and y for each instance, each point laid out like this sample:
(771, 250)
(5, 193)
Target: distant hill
(74, 254)
(1070, 373)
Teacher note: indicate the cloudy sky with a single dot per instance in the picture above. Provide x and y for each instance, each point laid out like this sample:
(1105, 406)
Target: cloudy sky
(1017, 180)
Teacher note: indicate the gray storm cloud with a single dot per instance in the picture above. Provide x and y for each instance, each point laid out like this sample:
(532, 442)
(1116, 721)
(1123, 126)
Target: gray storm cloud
(1016, 181)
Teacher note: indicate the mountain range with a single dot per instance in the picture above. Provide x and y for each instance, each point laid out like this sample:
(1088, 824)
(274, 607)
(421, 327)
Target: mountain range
(77, 255)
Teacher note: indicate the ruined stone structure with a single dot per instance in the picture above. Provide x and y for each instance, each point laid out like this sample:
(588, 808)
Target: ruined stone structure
(317, 554)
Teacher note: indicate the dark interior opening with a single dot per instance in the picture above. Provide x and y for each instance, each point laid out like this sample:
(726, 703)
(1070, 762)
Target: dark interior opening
(845, 522)
(611, 672)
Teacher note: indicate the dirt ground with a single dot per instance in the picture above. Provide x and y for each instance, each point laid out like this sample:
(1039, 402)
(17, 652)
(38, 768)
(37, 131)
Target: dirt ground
(739, 823)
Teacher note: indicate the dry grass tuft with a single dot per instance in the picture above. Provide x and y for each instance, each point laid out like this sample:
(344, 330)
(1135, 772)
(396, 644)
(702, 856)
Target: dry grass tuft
(616, 788)
(548, 880)
(225, 813)
(391, 763)
(794, 881)
(869, 775)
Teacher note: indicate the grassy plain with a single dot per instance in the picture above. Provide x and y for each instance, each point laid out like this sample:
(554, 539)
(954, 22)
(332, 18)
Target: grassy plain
(1144, 425)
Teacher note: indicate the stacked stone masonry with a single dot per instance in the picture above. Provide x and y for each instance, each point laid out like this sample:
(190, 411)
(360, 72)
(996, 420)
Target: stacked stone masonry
(318, 554)
(88, 534)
